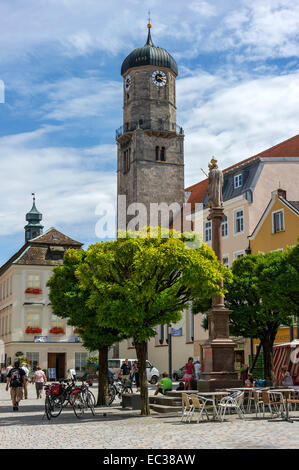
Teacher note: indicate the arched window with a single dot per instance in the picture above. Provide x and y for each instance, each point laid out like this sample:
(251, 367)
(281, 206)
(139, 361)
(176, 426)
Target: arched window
(162, 155)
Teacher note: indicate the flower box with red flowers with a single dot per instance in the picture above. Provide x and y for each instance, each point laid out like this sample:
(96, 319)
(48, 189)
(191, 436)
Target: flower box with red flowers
(57, 331)
(33, 290)
(29, 330)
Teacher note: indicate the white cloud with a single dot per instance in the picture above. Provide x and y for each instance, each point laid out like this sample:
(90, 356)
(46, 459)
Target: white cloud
(262, 28)
(234, 119)
(70, 183)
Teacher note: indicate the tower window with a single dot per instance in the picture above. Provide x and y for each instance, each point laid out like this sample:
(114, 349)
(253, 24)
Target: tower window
(162, 155)
(126, 160)
(157, 153)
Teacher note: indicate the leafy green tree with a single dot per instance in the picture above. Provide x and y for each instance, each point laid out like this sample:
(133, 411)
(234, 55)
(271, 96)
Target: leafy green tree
(139, 282)
(69, 301)
(262, 297)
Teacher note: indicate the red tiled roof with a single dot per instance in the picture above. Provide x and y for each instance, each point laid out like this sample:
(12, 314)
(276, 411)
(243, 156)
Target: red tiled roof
(288, 148)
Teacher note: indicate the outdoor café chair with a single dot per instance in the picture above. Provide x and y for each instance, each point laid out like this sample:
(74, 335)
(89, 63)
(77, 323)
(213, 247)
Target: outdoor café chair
(270, 400)
(258, 402)
(201, 405)
(232, 402)
(187, 406)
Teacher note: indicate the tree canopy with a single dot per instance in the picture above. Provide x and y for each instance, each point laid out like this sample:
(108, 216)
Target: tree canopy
(138, 282)
(69, 301)
(262, 297)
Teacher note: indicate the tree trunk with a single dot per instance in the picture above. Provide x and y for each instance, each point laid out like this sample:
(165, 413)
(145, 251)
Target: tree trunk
(103, 376)
(267, 344)
(256, 357)
(141, 356)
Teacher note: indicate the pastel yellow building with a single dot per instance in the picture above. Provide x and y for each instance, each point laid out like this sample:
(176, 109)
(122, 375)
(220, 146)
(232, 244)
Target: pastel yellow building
(278, 227)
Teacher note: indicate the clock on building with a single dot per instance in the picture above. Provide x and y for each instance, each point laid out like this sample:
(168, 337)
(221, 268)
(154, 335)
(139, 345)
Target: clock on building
(159, 78)
(127, 82)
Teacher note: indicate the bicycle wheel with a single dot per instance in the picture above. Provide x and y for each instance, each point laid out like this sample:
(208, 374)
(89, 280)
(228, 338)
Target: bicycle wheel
(55, 406)
(111, 395)
(78, 405)
(90, 404)
(92, 398)
(48, 407)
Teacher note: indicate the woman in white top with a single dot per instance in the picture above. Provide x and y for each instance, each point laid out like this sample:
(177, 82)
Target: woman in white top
(286, 377)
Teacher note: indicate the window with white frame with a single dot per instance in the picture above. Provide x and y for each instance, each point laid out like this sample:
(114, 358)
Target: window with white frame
(239, 254)
(239, 221)
(189, 326)
(33, 320)
(33, 358)
(225, 261)
(238, 181)
(278, 221)
(224, 226)
(208, 231)
(56, 322)
(33, 281)
(80, 361)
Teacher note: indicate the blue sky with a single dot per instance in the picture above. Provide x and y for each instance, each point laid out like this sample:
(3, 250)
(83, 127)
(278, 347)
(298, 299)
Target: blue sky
(237, 94)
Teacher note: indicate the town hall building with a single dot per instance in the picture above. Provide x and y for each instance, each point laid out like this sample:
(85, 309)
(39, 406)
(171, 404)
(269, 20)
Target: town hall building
(28, 327)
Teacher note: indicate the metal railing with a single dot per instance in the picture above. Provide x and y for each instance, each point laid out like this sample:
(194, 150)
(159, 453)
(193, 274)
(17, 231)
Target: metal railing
(156, 125)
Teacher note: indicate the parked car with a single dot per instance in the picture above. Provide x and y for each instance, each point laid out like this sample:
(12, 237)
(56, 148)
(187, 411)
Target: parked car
(151, 371)
(178, 374)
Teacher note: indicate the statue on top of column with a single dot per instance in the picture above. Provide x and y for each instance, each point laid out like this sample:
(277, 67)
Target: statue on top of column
(215, 184)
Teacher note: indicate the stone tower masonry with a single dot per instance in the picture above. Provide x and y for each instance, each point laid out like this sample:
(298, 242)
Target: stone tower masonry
(150, 145)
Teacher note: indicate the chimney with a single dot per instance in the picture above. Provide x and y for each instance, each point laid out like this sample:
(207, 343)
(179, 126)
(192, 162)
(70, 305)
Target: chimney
(282, 193)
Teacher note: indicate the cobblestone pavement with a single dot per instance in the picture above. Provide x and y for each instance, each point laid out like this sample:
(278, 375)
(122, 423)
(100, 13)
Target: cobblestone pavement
(120, 429)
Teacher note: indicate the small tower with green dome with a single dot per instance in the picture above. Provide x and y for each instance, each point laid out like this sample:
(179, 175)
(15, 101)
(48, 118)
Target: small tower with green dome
(33, 229)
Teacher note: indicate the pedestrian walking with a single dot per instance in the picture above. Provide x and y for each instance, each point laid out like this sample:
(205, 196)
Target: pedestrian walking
(15, 381)
(189, 373)
(26, 379)
(39, 378)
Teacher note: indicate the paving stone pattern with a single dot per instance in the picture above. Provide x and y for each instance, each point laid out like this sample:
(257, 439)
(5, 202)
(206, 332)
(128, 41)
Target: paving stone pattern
(122, 429)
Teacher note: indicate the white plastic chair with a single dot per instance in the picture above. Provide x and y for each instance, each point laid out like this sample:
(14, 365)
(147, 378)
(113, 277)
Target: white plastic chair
(234, 401)
(187, 406)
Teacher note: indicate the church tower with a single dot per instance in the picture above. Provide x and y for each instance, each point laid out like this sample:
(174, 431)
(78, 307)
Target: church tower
(33, 229)
(150, 145)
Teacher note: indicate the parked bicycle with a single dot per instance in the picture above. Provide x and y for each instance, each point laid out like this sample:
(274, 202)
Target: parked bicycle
(117, 388)
(59, 395)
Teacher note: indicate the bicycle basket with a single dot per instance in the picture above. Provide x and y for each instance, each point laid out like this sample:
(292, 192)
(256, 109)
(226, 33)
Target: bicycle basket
(55, 389)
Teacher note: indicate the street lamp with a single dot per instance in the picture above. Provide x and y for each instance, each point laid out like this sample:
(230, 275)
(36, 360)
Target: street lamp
(169, 342)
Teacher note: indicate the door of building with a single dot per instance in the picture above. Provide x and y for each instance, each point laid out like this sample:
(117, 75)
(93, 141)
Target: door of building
(56, 361)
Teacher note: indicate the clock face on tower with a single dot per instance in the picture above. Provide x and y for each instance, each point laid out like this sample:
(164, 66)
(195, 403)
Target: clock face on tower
(159, 78)
(127, 82)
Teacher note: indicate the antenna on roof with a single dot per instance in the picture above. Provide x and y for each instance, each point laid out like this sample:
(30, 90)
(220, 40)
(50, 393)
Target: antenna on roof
(33, 194)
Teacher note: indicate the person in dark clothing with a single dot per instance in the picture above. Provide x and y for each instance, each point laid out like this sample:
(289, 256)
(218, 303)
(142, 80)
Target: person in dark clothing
(125, 371)
(15, 380)
(135, 371)
(181, 386)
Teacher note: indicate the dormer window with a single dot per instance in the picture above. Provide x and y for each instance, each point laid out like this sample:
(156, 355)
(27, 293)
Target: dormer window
(238, 181)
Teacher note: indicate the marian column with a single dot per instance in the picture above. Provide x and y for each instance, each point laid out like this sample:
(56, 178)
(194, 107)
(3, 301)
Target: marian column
(219, 368)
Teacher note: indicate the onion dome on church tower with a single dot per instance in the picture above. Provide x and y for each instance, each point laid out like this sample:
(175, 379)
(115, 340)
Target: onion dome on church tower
(33, 229)
(149, 55)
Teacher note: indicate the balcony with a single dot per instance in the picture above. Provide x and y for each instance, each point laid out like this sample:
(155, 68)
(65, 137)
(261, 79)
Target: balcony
(154, 125)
